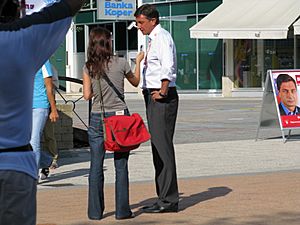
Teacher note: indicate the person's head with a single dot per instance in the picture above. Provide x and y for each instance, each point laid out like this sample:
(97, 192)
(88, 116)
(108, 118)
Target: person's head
(287, 91)
(99, 51)
(9, 10)
(147, 17)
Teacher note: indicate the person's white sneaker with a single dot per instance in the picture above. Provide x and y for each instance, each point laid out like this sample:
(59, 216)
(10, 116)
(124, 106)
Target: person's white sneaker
(44, 173)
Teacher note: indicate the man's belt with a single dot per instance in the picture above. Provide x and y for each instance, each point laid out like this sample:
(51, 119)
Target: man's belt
(23, 148)
(148, 91)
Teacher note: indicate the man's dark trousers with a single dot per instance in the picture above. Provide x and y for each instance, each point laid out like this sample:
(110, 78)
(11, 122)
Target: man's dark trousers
(161, 116)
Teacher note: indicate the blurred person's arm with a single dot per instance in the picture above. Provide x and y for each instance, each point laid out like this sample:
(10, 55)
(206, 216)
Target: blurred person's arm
(49, 90)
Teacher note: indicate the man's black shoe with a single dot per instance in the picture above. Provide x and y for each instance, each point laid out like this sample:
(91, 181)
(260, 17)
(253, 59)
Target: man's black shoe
(132, 215)
(150, 206)
(161, 209)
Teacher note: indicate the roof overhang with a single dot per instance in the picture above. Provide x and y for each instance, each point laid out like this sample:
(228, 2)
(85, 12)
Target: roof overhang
(297, 27)
(248, 19)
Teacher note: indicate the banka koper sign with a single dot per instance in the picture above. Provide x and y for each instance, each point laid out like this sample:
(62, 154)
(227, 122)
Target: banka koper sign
(116, 9)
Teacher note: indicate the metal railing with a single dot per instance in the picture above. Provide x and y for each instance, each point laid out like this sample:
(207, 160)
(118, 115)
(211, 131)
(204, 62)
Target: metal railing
(73, 102)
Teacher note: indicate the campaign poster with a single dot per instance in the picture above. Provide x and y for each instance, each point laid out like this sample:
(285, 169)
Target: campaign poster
(286, 88)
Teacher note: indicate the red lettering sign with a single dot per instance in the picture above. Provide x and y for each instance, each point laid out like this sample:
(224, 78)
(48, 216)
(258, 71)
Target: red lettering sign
(297, 79)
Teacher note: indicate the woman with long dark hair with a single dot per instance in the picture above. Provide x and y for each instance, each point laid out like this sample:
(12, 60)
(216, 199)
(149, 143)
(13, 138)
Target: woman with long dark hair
(100, 65)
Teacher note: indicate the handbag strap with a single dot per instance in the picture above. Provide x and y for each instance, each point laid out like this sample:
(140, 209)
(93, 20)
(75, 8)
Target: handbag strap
(101, 98)
(102, 108)
(106, 78)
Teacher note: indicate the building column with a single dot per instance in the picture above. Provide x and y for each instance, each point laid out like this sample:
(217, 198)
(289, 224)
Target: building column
(228, 77)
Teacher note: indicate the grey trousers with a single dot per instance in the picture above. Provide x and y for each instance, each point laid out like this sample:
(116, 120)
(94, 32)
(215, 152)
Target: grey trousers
(17, 198)
(161, 116)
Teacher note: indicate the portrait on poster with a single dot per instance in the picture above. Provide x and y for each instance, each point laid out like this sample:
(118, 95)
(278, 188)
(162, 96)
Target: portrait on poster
(286, 87)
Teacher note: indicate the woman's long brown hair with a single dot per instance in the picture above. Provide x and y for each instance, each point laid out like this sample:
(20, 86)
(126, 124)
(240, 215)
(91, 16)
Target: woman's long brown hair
(99, 52)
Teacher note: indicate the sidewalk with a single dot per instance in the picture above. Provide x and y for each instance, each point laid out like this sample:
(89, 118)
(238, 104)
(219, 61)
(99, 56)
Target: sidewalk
(266, 199)
(225, 177)
(227, 183)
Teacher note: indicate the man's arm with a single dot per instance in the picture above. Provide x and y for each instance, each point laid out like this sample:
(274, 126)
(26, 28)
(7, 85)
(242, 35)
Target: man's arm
(75, 5)
(49, 90)
(49, 14)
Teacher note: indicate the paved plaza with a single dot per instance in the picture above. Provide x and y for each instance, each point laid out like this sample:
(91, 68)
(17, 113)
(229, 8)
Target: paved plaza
(225, 176)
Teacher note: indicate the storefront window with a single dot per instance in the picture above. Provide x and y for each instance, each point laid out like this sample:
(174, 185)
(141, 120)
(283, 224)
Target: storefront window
(178, 17)
(210, 64)
(80, 40)
(279, 54)
(87, 4)
(186, 52)
(245, 64)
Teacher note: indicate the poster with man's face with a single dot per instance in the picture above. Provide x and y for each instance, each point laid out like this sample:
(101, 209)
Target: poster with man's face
(286, 86)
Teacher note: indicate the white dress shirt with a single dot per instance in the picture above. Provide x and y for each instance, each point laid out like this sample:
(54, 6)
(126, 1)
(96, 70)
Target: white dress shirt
(160, 59)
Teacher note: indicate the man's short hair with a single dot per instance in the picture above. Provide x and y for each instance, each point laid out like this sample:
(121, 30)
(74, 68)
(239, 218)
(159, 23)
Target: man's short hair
(9, 10)
(149, 11)
(284, 78)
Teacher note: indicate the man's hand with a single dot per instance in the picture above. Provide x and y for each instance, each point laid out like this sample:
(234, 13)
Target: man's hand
(156, 96)
(75, 5)
(53, 116)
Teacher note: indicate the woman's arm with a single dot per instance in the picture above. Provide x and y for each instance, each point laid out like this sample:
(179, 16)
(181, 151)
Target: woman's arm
(134, 79)
(87, 86)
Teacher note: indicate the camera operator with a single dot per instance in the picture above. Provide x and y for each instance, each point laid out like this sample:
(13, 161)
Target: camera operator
(25, 43)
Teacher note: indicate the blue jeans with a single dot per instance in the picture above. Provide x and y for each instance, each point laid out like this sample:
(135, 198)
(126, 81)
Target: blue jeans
(96, 178)
(39, 118)
(17, 198)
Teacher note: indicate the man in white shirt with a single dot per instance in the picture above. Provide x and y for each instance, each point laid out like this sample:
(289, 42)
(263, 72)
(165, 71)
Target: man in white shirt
(161, 100)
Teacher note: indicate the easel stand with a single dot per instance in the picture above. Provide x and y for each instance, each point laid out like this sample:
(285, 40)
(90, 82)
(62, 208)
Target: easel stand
(270, 115)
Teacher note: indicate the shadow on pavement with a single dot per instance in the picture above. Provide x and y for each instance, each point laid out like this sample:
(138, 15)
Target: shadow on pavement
(184, 201)
(64, 175)
(67, 157)
(213, 192)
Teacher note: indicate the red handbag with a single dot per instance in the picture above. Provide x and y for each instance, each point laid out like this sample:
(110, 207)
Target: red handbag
(124, 133)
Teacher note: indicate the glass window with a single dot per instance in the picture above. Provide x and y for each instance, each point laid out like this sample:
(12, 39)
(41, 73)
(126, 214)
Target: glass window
(207, 6)
(210, 51)
(94, 4)
(87, 4)
(84, 17)
(279, 54)
(186, 52)
(132, 39)
(120, 36)
(246, 64)
(210, 64)
(183, 8)
(163, 9)
(80, 38)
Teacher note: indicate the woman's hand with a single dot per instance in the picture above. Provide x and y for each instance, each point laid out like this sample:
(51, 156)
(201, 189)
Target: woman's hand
(139, 57)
